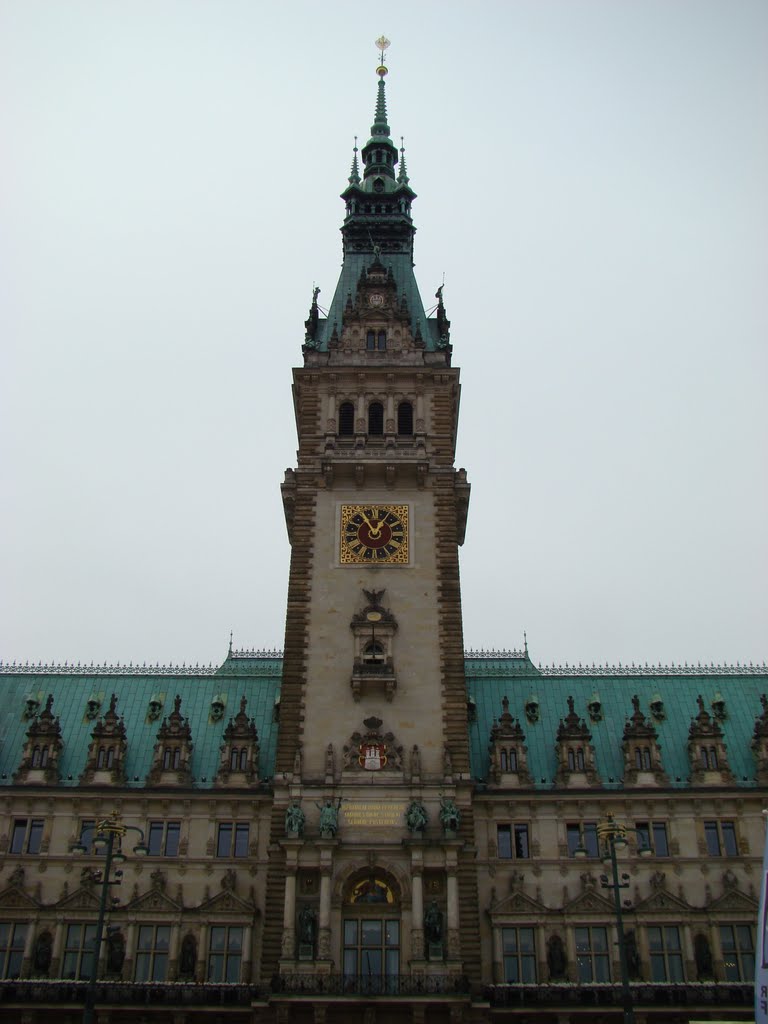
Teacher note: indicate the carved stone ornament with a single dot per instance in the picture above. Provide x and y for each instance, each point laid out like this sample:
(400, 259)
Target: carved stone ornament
(372, 751)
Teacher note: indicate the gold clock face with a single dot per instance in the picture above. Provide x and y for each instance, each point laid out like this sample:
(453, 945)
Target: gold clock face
(374, 534)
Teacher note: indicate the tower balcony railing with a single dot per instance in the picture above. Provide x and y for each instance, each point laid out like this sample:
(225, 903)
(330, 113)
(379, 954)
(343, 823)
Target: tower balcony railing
(370, 985)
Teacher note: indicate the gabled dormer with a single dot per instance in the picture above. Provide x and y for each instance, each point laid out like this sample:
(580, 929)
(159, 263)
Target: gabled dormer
(508, 752)
(172, 754)
(642, 751)
(373, 666)
(760, 743)
(239, 751)
(105, 763)
(39, 763)
(707, 752)
(576, 766)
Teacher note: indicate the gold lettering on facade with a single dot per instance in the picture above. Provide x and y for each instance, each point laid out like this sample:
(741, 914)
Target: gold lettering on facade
(374, 813)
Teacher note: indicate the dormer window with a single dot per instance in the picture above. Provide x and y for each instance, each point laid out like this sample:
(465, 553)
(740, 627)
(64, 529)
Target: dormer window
(171, 758)
(576, 759)
(105, 757)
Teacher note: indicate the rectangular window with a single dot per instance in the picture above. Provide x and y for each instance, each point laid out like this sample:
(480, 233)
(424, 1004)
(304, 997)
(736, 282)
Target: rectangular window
(371, 960)
(152, 952)
(232, 839)
(12, 939)
(653, 836)
(163, 838)
(519, 955)
(738, 948)
(27, 835)
(225, 954)
(666, 954)
(78, 951)
(583, 835)
(592, 962)
(512, 841)
(720, 837)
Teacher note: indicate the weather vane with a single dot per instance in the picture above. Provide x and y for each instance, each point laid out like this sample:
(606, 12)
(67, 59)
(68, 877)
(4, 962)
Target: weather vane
(382, 43)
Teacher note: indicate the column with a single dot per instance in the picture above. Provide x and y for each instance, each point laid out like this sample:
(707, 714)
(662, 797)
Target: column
(246, 972)
(498, 955)
(417, 913)
(29, 940)
(289, 917)
(324, 924)
(332, 426)
(130, 948)
(58, 944)
(453, 914)
(361, 426)
(173, 952)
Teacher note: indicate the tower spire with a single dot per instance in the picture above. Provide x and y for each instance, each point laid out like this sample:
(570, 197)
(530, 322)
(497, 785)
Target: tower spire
(354, 174)
(402, 174)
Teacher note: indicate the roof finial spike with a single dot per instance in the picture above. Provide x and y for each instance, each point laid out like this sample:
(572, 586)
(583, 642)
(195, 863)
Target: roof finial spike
(402, 174)
(382, 45)
(525, 643)
(354, 174)
(230, 643)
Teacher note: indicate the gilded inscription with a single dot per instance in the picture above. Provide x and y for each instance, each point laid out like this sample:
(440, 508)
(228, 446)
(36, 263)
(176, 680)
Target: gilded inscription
(374, 813)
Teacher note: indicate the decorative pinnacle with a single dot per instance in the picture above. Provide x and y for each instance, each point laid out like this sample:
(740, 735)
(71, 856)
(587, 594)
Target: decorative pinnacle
(382, 44)
(354, 174)
(402, 175)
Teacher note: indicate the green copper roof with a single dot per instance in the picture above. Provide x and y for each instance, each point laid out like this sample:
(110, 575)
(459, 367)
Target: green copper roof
(255, 678)
(489, 679)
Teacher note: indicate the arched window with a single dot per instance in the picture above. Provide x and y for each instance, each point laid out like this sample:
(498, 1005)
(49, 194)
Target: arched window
(513, 760)
(571, 761)
(243, 759)
(44, 757)
(704, 758)
(638, 758)
(580, 760)
(405, 419)
(167, 754)
(503, 760)
(36, 757)
(346, 419)
(713, 759)
(373, 653)
(101, 759)
(370, 340)
(233, 758)
(382, 341)
(376, 419)
(110, 757)
(371, 936)
(646, 758)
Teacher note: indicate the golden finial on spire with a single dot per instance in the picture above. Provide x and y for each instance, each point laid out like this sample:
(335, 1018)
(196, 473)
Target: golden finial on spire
(382, 43)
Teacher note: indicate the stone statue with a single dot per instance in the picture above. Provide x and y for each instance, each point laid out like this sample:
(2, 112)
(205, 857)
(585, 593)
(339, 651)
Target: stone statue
(416, 817)
(16, 877)
(433, 924)
(703, 957)
(633, 957)
(294, 819)
(115, 951)
(229, 880)
(41, 959)
(556, 960)
(449, 815)
(307, 920)
(188, 958)
(329, 818)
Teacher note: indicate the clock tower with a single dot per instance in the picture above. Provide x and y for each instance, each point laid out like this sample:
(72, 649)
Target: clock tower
(371, 869)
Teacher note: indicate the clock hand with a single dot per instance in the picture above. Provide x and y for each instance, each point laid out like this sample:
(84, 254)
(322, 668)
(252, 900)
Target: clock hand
(374, 530)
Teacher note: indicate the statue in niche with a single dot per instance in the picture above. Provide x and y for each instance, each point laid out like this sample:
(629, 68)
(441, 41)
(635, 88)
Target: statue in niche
(416, 817)
(433, 924)
(329, 818)
(188, 958)
(703, 956)
(633, 957)
(449, 815)
(16, 877)
(556, 959)
(41, 959)
(115, 951)
(294, 819)
(307, 922)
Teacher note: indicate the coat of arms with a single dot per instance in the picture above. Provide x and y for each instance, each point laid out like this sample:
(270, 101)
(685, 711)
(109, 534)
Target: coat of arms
(373, 756)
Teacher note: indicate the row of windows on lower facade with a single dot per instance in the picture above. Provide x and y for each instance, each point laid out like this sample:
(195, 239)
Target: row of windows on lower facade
(163, 838)
(150, 955)
(663, 954)
(375, 419)
(513, 840)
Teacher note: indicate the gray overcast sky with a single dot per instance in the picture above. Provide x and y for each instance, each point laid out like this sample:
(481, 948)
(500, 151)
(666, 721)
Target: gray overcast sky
(593, 181)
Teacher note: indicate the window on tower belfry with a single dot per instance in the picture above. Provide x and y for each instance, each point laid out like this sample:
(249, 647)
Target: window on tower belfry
(405, 419)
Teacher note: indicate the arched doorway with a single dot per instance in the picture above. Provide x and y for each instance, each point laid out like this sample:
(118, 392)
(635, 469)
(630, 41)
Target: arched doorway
(371, 933)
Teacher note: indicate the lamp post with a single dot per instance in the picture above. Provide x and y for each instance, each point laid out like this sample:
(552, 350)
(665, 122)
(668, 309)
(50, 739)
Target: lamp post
(613, 836)
(108, 831)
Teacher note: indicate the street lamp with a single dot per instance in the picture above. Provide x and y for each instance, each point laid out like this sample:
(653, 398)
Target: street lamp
(107, 831)
(614, 837)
